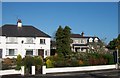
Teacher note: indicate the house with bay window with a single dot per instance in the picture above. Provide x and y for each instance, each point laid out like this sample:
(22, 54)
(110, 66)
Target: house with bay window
(24, 40)
(81, 43)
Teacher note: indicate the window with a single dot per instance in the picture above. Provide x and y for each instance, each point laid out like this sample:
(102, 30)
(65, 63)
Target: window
(76, 41)
(11, 40)
(42, 41)
(11, 52)
(95, 40)
(82, 41)
(29, 40)
(29, 52)
(90, 40)
(47, 52)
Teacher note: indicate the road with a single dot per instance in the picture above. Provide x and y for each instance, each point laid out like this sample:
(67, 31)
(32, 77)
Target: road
(90, 74)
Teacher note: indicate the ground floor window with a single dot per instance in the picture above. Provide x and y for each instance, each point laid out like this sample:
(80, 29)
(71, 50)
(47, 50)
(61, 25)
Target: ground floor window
(11, 52)
(0, 53)
(46, 52)
(29, 52)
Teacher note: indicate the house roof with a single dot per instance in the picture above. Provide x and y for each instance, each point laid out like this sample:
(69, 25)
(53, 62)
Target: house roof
(80, 36)
(10, 30)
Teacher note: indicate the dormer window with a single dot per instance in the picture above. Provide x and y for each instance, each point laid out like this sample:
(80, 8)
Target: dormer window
(96, 40)
(90, 39)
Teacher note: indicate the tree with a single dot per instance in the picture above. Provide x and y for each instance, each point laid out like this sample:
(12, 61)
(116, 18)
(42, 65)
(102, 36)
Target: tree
(114, 43)
(66, 41)
(63, 41)
(59, 40)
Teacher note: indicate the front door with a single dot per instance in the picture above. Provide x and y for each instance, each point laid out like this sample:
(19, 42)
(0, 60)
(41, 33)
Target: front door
(0, 53)
(41, 52)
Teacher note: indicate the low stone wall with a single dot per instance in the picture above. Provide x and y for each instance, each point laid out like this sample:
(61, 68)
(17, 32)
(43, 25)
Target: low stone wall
(76, 69)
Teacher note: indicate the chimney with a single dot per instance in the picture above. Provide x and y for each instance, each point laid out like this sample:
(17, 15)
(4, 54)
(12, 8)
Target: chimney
(19, 23)
(82, 33)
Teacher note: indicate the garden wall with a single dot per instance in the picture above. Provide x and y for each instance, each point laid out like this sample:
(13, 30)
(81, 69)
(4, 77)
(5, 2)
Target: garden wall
(8, 72)
(76, 69)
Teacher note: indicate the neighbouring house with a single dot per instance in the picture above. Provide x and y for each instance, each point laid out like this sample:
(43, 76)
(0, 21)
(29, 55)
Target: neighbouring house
(81, 43)
(24, 40)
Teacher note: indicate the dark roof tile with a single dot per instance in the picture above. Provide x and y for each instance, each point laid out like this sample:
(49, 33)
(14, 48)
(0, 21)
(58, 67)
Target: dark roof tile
(24, 31)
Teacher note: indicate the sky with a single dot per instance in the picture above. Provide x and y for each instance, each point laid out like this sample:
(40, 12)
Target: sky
(93, 18)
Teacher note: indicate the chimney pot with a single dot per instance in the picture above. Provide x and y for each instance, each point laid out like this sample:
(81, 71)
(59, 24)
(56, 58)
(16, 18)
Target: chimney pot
(19, 23)
(82, 33)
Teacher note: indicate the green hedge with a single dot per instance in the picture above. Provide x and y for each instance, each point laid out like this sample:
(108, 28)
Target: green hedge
(80, 59)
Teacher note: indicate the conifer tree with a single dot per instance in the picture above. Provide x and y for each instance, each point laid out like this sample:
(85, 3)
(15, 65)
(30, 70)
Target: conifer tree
(59, 38)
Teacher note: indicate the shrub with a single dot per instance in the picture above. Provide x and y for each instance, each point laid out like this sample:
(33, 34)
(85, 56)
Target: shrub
(59, 61)
(109, 58)
(38, 60)
(81, 62)
(28, 61)
(7, 63)
(19, 62)
(49, 63)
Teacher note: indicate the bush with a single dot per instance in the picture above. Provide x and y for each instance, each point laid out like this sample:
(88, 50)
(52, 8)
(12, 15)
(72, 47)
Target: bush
(59, 61)
(18, 62)
(109, 58)
(7, 63)
(28, 61)
(49, 63)
(38, 60)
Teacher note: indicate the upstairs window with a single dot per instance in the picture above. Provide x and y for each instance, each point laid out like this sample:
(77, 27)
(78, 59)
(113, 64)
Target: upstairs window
(29, 40)
(96, 40)
(11, 40)
(82, 41)
(90, 40)
(42, 41)
(76, 41)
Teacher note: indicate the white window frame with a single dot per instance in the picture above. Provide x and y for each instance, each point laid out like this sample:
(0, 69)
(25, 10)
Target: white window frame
(96, 40)
(90, 39)
(43, 41)
(14, 52)
(29, 40)
(29, 53)
(82, 41)
(11, 40)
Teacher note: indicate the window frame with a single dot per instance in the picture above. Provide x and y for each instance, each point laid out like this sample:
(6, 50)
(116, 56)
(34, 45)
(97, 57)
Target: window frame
(29, 40)
(29, 54)
(42, 41)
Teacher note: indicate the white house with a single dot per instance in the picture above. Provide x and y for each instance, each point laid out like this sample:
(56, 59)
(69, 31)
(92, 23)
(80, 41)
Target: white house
(23, 40)
(80, 43)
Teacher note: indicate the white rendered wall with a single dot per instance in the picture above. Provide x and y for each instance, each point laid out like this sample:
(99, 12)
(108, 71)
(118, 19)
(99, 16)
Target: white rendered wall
(21, 47)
